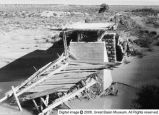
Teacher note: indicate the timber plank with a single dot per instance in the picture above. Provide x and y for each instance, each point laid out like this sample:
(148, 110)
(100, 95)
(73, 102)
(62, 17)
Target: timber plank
(63, 81)
(46, 87)
(16, 98)
(41, 94)
(69, 75)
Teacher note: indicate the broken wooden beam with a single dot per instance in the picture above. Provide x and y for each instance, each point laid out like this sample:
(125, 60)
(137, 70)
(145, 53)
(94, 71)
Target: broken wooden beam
(35, 104)
(42, 99)
(65, 44)
(4, 98)
(16, 98)
(95, 63)
(67, 105)
(67, 97)
(47, 99)
(40, 94)
(75, 71)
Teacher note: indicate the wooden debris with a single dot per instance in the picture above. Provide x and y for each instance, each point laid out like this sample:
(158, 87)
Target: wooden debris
(35, 75)
(66, 98)
(65, 44)
(4, 98)
(40, 94)
(16, 98)
(112, 90)
(47, 99)
(66, 104)
(39, 81)
(35, 104)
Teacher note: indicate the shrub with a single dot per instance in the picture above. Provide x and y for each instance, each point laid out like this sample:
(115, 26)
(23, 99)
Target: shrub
(103, 8)
(145, 11)
(143, 42)
(138, 53)
(153, 33)
(153, 21)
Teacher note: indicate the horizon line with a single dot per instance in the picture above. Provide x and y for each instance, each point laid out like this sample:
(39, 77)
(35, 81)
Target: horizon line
(82, 4)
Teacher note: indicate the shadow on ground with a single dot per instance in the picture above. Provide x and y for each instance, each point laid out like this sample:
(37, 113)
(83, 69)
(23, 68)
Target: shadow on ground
(147, 97)
(25, 66)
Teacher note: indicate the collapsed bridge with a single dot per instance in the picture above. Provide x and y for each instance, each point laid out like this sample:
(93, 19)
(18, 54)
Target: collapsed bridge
(84, 68)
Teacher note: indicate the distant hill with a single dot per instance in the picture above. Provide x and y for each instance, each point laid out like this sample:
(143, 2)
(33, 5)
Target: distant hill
(130, 7)
(58, 7)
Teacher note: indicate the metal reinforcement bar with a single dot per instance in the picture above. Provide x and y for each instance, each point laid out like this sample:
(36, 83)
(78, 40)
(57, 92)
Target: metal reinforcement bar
(67, 97)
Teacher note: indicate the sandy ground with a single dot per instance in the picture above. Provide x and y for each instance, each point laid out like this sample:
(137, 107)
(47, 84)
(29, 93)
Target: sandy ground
(19, 42)
(12, 110)
(140, 71)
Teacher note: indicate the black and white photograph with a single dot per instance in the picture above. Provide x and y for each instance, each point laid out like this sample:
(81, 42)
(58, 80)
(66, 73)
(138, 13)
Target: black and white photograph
(77, 55)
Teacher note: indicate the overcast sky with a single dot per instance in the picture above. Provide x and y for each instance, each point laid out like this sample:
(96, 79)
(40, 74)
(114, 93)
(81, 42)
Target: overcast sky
(83, 2)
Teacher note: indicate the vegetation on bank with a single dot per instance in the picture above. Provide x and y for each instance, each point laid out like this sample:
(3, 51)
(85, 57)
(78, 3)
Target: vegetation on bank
(103, 8)
(145, 12)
